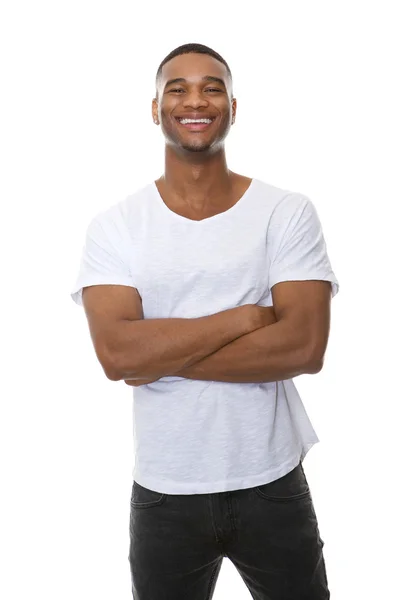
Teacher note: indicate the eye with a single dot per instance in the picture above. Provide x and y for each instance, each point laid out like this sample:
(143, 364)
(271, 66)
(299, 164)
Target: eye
(208, 90)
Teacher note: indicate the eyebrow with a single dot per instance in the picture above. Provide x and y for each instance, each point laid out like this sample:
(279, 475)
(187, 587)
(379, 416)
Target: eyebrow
(206, 78)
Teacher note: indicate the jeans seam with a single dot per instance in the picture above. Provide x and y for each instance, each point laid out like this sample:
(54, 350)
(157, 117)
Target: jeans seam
(212, 579)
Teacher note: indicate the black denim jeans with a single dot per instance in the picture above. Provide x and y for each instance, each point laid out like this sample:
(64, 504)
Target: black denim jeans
(269, 532)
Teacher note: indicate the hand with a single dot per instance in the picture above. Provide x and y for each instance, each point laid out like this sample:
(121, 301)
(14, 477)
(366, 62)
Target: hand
(139, 382)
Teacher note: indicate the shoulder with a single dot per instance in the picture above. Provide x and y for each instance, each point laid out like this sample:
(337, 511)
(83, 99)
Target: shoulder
(122, 213)
(285, 203)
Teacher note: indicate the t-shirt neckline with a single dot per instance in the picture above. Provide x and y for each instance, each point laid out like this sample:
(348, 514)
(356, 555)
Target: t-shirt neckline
(230, 210)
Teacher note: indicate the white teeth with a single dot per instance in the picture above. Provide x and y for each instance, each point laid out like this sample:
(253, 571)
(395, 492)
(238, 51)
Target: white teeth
(184, 121)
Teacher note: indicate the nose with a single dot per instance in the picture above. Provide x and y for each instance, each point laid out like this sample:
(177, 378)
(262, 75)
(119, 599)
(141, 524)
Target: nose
(195, 99)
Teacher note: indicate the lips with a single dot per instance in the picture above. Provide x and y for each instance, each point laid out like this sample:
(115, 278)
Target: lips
(195, 126)
(196, 116)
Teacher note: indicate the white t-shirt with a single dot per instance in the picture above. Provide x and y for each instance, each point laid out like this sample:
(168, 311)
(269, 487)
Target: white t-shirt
(197, 437)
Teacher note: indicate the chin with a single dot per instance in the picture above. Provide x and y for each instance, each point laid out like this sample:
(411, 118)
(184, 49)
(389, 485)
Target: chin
(202, 148)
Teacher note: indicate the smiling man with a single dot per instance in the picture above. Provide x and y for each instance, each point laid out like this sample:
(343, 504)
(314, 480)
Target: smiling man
(196, 113)
(208, 291)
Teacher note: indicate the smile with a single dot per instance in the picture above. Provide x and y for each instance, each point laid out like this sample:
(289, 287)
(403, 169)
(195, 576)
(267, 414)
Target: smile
(195, 126)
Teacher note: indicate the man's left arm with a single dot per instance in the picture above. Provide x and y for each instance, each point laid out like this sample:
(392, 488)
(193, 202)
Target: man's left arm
(294, 345)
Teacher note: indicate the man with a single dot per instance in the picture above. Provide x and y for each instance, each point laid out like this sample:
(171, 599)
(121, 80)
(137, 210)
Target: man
(234, 282)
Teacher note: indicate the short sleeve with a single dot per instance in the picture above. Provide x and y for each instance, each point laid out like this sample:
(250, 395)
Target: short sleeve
(102, 260)
(300, 252)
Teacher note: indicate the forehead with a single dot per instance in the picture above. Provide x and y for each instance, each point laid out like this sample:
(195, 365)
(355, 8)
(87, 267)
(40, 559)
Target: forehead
(193, 67)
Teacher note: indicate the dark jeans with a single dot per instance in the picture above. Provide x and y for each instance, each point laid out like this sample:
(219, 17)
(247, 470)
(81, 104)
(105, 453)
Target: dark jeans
(269, 532)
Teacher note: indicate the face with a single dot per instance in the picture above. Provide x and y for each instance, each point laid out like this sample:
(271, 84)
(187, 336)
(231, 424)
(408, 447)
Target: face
(194, 97)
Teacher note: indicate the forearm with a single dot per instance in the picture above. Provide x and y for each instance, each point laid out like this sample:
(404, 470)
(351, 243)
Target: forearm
(271, 353)
(156, 348)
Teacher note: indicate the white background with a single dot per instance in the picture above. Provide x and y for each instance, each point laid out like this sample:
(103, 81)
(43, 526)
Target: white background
(324, 108)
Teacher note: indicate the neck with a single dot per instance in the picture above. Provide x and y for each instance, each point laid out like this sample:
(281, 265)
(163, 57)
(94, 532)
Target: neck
(195, 178)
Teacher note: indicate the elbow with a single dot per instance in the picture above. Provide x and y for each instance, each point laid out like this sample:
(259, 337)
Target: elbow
(314, 367)
(118, 370)
(314, 363)
(314, 353)
(111, 373)
(109, 366)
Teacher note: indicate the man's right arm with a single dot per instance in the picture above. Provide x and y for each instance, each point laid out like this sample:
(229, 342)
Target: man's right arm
(130, 347)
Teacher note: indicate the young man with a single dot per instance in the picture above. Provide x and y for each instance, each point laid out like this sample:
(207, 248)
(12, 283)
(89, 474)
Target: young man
(208, 291)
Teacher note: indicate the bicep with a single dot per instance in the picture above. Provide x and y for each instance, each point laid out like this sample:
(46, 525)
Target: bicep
(306, 304)
(107, 307)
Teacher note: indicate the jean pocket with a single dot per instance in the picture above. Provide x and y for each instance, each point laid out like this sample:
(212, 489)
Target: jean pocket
(290, 487)
(144, 498)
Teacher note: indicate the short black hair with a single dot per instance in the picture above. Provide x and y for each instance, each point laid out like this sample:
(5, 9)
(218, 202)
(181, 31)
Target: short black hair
(191, 48)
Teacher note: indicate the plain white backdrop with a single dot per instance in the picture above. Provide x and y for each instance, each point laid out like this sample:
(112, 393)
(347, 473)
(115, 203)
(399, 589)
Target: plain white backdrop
(324, 108)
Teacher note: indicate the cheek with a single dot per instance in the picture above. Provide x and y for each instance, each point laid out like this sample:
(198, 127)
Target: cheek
(226, 120)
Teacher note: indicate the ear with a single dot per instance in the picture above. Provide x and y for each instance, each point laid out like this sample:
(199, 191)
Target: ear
(155, 110)
(234, 109)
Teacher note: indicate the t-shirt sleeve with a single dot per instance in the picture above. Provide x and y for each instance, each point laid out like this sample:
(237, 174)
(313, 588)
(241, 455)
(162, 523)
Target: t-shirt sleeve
(298, 247)
(103, 259)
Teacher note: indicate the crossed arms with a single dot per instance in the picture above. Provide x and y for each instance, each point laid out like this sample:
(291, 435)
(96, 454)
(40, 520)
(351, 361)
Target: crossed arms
(293, 344)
